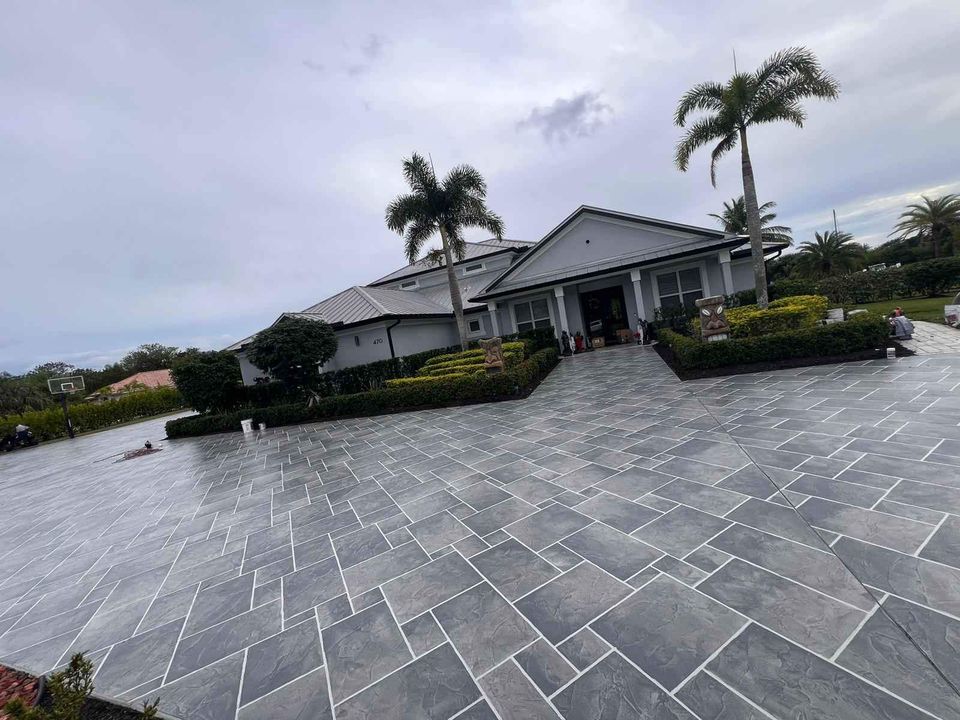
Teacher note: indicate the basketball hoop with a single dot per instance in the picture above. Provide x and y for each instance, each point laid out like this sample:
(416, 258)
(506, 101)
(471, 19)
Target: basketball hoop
(63, 386)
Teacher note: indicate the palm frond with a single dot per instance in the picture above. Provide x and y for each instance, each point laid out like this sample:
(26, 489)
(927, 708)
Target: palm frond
(405, 209)
(703, 96)
(722, 148)
(417, 234)
(702, 132)
(465, 179)
(418, 173)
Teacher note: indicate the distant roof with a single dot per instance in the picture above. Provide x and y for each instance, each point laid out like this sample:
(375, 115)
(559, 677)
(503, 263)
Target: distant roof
(474, 250)
(705, 238)
(148, 378)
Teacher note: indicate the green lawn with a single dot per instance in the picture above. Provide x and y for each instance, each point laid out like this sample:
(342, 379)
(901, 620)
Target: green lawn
(914, 308)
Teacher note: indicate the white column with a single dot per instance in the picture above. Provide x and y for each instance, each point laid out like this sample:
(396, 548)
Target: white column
(724, 257)
(562, 310)
(494, 323)
(638, 294)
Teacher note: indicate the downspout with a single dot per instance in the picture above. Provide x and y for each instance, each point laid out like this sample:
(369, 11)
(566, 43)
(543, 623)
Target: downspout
(390, 337)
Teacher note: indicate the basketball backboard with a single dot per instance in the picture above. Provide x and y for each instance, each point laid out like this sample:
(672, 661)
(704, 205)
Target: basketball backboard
(63, 385)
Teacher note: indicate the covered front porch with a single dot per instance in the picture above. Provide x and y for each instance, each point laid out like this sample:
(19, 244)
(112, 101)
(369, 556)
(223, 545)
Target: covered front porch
(611, 305)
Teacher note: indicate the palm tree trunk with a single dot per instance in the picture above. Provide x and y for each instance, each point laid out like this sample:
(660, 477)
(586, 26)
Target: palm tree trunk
(455, 298)
(753, 221)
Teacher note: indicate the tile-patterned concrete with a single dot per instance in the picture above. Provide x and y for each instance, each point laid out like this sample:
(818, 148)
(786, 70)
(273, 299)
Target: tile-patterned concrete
(932, 339)
(618, 545)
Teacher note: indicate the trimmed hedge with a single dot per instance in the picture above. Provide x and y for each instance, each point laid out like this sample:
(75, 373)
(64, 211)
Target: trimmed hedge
(862, 332)
(514, 382)
(48, 424)
(791, 313)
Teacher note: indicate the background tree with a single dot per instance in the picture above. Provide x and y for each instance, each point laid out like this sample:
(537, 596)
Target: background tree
(832, 253)
(772, 93)
(150, 356)
(292, 350)
(932, 220)
(733, 219)
(208, 381)
(448, 207)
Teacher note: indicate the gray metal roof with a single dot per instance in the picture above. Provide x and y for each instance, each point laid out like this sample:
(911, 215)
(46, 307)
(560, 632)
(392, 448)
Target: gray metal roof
(474, 250)
(358, 304)
(706, 238)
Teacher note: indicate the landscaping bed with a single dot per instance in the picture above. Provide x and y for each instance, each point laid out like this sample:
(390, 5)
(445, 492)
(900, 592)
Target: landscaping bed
(856, 339)
(514, 383)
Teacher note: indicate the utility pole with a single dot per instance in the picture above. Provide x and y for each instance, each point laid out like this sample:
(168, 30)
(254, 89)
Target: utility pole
(835, 228)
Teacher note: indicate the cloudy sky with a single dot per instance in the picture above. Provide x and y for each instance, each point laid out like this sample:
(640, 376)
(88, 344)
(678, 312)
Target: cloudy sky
(182, 172)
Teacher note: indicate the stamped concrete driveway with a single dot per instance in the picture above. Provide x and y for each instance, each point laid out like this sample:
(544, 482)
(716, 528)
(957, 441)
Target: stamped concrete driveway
(602, 549)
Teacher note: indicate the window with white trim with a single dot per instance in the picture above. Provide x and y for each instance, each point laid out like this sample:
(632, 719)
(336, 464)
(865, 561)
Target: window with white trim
(680, 287)
(472, 268)
(532, 314)
(475, 327)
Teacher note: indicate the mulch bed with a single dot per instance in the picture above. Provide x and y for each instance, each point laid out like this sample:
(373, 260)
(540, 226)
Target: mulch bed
(690, 374)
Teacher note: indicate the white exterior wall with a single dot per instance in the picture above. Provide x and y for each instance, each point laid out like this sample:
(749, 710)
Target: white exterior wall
(248, 371)
(413, 336)
(742, 271)
(373, 346)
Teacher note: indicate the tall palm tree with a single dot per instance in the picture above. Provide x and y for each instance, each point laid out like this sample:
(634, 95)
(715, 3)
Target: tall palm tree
(733, 219)
(447, 207)
(932, 220)
(769, 94)
(832, 253)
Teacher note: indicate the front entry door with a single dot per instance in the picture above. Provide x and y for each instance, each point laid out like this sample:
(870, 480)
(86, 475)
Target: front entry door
(604, 312)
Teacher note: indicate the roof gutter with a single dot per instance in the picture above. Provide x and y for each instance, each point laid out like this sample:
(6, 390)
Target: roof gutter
(390, 337)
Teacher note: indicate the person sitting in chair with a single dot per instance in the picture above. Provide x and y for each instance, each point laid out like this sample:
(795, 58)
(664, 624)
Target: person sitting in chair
(900, 326)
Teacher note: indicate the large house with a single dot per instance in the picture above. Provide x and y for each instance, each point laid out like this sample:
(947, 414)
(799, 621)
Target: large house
(598, 273)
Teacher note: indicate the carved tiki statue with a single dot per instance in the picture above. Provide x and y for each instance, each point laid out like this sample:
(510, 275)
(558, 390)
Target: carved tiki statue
(493, 355)
(713, 321)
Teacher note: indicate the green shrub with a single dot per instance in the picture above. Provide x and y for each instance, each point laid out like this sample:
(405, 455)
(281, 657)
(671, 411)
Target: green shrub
(422, 379)
(791, 313)
(48, 424)
(932, 277)
(468, 356)
(292, 351)
(419, 394)
(862, 332)
(208, 381)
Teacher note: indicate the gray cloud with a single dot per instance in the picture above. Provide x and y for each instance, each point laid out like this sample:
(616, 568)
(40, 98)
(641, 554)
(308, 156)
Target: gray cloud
(579, 116)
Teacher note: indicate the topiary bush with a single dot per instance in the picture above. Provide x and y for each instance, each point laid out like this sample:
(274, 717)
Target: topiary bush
(932, 277)
(208, 381)
(862, 332)
(791, 313)
(415, 394)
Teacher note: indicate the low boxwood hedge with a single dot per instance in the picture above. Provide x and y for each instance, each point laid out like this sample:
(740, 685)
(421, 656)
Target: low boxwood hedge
(512, 383)
(862, 332)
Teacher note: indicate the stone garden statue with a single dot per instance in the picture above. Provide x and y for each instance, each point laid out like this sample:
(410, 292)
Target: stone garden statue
(713, 321)
(493, 355)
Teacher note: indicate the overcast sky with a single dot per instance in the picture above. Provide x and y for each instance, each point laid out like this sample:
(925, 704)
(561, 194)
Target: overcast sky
(182, 172)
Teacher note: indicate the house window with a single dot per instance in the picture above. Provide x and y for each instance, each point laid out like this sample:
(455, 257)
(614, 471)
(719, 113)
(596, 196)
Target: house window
(680, 287)
(532, 314)
(409, 284)
(475, 327)
(472, 268)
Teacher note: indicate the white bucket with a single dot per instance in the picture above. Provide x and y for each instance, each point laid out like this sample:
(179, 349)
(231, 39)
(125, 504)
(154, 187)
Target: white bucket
(247, 425)
(891, 353)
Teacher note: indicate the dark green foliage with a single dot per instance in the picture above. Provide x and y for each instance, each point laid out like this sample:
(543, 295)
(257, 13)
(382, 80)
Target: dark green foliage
(931, 221)
(512, 383)
(927, 278)
(829, 253)
(48, 423)
(292, 350)
(208, 381)
(932, 277)
(860, 333)
(150, 356)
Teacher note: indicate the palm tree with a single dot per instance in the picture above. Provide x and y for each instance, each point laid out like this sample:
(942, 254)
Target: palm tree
(832, 253)
(932, 220)
(447, 207)
(733, 219)
(770, 94)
